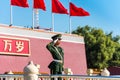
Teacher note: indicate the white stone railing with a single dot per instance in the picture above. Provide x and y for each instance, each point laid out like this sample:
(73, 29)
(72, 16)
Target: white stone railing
(11, 77)
(64, 77)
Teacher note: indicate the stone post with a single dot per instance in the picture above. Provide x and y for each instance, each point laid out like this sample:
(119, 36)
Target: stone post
(31, 71)
(10, 78)
(68, 71)
(105, 72)
(90, 72)
(10, 72)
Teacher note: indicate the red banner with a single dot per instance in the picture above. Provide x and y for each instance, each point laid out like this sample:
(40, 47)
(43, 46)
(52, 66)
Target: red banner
(39, 4)
(20, 3)
(14, 46)
(57, 7)
(77, 11)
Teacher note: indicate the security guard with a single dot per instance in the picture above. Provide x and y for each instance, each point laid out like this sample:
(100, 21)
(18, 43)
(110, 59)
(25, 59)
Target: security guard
(56, 66)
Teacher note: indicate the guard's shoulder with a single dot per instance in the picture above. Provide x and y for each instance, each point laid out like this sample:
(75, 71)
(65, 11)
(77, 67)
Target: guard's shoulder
(51, 43)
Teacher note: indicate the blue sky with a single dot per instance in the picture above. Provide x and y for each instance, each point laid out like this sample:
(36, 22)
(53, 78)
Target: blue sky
(104, 14)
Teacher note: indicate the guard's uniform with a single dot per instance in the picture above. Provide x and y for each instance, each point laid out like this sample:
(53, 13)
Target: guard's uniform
(56, 66)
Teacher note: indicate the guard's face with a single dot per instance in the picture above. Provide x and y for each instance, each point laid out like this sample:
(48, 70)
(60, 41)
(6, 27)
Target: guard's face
(58, 42)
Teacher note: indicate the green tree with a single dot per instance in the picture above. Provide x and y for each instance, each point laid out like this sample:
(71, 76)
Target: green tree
(115, 61)
(99, 46)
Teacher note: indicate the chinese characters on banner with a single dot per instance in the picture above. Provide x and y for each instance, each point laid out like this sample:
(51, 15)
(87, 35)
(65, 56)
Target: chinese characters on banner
(14, 46)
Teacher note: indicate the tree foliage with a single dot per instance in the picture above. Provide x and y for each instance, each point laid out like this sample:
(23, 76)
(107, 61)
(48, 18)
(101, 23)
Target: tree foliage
(115, 61)
(102, 50)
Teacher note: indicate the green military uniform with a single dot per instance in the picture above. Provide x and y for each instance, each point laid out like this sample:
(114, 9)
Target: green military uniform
(56, 66)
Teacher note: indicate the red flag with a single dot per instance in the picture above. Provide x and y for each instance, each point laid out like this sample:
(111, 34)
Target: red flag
(39, 4)
(57, 7)
(76, 11)
(20, 3)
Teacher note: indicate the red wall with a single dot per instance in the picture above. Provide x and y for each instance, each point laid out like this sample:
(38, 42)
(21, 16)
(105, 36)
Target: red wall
(74, 57)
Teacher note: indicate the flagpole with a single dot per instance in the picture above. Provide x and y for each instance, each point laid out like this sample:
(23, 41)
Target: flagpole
(33, 19)
(11, 17)
(69, 24)
(52, 14)
(37, 18)
(69, 19)
(52, 22)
